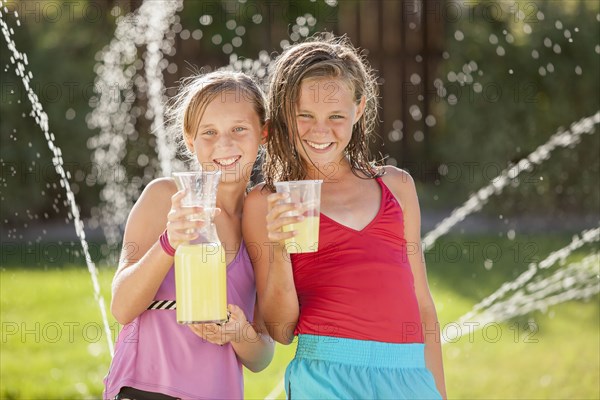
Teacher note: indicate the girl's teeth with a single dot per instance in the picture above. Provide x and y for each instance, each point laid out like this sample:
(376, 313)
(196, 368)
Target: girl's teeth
(318, 146)
(227, 161)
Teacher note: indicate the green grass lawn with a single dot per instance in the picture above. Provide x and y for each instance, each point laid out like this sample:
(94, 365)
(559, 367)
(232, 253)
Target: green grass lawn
(53, 346)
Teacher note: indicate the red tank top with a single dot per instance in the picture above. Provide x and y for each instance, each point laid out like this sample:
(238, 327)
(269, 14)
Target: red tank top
(359, 284)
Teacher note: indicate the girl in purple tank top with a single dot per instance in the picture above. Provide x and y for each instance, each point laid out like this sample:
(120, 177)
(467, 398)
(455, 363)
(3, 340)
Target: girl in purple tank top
(221, 117)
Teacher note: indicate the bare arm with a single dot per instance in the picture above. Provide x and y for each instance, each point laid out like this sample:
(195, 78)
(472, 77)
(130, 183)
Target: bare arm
(277, 298)
(403, 187)
(255, 348)
(143, 264)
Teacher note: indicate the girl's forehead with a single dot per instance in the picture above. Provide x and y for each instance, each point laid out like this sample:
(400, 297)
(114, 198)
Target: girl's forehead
(229, 105)
(326, 81)
(325, 90)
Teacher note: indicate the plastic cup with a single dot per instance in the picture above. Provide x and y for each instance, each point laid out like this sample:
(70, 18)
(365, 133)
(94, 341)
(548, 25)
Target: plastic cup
(308, 195)
(200, 190)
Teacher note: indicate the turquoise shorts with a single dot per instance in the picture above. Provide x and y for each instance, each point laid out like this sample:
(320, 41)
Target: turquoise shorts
(338, 368)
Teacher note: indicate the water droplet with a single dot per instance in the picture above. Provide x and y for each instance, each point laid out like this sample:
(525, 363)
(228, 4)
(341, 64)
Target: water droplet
(558, 24)
(548, 42)
(578, 70)
(415, 112)
(70, 114)
(550, 67)
(257, 18)
(493, 39)
(418, 58)
(236, 41)
(419, 136)
(527, 28)
(430, 121)
(415, 79)
(459, 36)
(556, 48)
(488, 264)
(510, 234)
(206, 19)
(395, 136)
(391, 161)
(397, 125)
(510, 71)
(217, 39)
(197, 34)
(542, 71)
(452, 99)
(231, 24)
(500, 51)
(185, 34)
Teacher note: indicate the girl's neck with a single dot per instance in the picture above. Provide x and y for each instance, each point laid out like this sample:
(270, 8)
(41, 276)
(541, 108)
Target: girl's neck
(230, 197)
(333, 171)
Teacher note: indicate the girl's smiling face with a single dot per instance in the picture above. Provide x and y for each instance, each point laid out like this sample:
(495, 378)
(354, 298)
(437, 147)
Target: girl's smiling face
(228, 136)
(325, 114)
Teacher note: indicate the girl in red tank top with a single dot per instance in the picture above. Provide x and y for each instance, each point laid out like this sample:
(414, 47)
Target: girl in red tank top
(360, 305)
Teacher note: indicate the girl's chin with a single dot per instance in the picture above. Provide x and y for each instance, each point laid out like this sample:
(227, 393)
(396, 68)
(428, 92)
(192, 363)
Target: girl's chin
(234, 176)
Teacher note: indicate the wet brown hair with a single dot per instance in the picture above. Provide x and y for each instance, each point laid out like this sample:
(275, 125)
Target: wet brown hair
(322, 56)
(196, 92)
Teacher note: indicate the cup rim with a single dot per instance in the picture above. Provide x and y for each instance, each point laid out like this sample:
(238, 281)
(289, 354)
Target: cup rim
(193, 173)
(300, 182)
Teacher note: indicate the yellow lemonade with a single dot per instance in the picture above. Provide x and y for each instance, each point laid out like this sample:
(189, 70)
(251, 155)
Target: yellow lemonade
(201, 283)
(307, 236)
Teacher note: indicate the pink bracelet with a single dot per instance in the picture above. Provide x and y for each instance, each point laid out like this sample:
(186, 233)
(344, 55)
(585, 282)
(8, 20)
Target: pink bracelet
(164, 243)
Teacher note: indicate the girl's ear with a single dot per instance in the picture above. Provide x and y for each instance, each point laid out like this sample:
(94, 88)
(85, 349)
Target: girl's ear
(360, 109)
(265, 132)
(189, 142)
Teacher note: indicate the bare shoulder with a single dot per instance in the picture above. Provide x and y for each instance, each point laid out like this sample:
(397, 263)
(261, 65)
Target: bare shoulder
(158, 191)
(147, 219)
(257, 195)
(400, 182)
(154, 203)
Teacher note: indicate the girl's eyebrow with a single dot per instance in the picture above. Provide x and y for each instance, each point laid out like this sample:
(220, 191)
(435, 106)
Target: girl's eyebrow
(331, 112)
(237, 121)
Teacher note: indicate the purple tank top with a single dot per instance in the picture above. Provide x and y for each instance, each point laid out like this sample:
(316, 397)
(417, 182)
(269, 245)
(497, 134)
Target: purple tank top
(156, 354)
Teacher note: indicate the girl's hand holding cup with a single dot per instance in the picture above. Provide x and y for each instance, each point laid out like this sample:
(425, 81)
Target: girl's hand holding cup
(183, 223)
(231, 331)
(282, 212)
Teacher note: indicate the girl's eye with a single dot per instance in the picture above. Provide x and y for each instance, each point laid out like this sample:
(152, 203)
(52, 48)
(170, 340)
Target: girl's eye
(336, 116)
(209, 133)
(304, 115)
(239, 129)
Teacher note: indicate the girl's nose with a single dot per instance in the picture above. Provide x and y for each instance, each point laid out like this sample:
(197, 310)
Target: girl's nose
(320, 127)
(225, 141)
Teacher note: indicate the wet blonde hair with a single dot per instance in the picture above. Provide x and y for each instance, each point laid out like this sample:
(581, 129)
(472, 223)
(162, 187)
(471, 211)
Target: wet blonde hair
(322, 56)
(196, 92)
